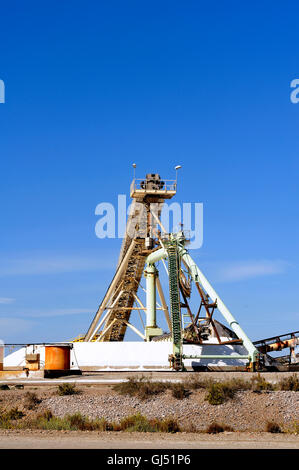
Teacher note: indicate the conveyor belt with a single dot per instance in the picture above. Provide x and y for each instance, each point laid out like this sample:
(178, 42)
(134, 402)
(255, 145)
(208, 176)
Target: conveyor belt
(112, 316)
(129, 286)
(280, 339)
(129, 283)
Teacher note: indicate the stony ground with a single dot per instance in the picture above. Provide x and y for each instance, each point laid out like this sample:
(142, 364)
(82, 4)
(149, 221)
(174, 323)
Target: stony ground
(247, 411)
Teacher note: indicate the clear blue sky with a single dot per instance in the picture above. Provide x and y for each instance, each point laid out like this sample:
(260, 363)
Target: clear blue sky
(93, 87)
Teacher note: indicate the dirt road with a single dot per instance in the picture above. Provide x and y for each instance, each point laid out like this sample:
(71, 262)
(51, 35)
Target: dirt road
(94, 440)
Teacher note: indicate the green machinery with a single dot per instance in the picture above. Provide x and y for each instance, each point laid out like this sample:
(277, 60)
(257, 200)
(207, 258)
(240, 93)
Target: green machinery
(175, 251)
(175, 303)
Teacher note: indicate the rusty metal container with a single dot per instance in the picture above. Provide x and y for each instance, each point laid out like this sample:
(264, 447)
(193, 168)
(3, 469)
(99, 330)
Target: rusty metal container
(57, 357)
(1, 355)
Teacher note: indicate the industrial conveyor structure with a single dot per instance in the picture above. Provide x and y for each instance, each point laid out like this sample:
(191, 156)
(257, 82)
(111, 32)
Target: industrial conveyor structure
(145, 243)
(157, 284)
(138, 243)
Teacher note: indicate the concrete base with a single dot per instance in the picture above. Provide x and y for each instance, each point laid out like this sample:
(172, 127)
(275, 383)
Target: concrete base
(136, 355)
(151, 355)
(20, 374)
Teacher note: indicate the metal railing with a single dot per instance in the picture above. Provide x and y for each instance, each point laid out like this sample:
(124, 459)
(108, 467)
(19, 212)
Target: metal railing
(143, 185)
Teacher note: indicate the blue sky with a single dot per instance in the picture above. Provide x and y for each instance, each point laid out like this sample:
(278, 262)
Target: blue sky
(93, 87)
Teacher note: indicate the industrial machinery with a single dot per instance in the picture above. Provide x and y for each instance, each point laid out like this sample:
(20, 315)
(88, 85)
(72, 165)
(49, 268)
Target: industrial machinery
(179, 329)
(146, 242)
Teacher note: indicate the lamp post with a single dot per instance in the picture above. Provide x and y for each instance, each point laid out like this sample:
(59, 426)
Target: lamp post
(134, 166)
(176, 173)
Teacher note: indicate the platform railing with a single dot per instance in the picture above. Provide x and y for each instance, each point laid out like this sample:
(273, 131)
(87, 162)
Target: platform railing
(141, 185)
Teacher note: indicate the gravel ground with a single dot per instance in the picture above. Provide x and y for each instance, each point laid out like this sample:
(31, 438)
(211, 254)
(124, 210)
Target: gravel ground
(247, 411)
